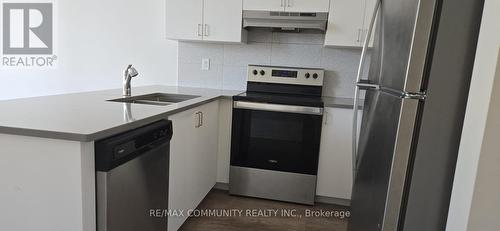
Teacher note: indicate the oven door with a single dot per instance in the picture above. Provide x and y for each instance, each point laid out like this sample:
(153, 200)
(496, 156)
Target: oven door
(276, 137)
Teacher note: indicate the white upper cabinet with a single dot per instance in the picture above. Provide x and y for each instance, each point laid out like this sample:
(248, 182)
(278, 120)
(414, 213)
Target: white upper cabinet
(345, 23)
(369, 9)
(348, 22)
(205, 20)
(267, 5)
(184, 19)
(308, 6)
(222, 21)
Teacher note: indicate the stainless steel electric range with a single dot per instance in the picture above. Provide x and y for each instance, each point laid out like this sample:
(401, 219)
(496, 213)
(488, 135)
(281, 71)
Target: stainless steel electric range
(276, 134)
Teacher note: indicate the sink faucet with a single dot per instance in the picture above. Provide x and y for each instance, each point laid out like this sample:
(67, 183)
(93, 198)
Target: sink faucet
(128, 74)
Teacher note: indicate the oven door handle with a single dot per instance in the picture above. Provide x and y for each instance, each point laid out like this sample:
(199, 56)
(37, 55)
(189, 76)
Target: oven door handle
(278, 108)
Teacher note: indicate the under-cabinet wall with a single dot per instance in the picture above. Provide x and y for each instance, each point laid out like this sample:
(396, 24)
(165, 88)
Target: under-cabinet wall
(228, 62)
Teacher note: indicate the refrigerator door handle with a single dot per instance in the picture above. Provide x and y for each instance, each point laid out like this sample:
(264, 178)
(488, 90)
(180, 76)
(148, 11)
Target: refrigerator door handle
(357, 91)
(366, 85)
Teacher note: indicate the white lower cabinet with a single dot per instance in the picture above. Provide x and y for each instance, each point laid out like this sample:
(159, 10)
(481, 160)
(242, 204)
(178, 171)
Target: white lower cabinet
(335, 159)
(193, 159)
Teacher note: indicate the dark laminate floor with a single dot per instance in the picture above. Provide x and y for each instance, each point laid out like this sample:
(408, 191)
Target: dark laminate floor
(218, 200)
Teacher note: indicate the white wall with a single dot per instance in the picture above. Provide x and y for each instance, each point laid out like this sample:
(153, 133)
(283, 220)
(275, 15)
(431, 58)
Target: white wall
(475, 177)
(96, 40)
(485, 208)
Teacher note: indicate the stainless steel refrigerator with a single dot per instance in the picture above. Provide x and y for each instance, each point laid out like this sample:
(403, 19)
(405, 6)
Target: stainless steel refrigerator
(414, 105)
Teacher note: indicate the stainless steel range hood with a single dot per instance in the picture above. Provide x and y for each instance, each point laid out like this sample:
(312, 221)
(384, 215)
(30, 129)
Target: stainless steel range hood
(287, 21)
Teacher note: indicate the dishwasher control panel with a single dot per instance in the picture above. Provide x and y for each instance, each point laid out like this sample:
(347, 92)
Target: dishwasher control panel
(118, 149)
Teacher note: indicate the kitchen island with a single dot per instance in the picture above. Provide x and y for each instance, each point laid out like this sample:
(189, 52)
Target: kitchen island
(47, 172)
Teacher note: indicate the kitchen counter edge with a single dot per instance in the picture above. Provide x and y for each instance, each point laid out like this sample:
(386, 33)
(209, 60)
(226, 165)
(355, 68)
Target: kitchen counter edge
(331, 102)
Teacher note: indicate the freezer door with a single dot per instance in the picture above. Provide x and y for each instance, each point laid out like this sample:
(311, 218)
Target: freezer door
(399, 55)
(384, 150)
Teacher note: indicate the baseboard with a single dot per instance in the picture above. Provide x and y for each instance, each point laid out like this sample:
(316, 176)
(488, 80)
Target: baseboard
(222, 186)
(333, 201)
(319, 199)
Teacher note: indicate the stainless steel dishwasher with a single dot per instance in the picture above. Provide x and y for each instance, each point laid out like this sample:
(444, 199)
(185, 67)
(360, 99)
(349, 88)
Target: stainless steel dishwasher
(132, 178)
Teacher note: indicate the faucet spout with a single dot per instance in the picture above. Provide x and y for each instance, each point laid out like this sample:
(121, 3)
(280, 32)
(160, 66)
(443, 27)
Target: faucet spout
(128, 74)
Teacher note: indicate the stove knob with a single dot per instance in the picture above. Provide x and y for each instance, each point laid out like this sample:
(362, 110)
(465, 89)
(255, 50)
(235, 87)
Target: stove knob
(315, 76)
(262, 72)
(255, 72)
(308, 75)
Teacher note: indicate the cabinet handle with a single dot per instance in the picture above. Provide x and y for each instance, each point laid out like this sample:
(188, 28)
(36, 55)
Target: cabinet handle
(206, 30)
(289, 3)
(201, 123)
(325, 117)
(359, 36)
(200, 28)
(272, 161)
(282, 4)
(198, 118)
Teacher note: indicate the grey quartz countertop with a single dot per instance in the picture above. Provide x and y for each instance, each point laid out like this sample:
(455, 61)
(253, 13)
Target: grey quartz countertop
(338, 102)
(89, 116)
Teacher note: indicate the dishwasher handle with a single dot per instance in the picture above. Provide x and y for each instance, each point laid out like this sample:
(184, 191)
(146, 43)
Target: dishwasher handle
(117, 150)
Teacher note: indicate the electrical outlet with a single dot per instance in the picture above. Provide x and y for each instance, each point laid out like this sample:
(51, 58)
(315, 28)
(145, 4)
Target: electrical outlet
(205, 64)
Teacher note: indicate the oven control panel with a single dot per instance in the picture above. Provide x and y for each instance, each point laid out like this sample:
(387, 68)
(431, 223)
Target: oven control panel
(286, 75)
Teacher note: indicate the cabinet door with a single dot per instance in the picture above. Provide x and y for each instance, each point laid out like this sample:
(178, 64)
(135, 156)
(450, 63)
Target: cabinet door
(307, 5)
(335, 159)
(182, 158)
(270, 5)
(193, 159)
(208, 145)
(184, 19)
(345, 23)
(222, 20)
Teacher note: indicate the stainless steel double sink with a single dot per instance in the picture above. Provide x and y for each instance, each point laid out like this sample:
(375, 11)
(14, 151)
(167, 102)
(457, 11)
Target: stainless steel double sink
(159, 99)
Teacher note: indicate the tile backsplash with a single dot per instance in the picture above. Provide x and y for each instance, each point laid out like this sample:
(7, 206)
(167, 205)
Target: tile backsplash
(228, 62)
